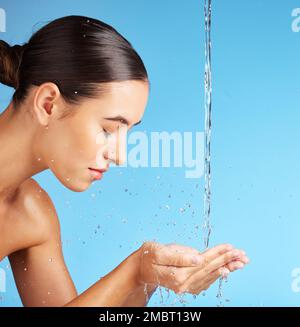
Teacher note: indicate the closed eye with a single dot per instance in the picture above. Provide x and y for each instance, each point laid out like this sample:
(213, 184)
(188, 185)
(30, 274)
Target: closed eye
(105, 132)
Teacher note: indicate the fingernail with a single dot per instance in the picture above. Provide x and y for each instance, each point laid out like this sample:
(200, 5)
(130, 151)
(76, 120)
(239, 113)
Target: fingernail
(236, 253)
(196, 260)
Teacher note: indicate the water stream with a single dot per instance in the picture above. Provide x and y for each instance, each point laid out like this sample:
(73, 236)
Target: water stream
(207, 131)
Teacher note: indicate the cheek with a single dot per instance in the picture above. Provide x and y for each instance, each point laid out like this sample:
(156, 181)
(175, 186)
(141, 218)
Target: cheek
(102, 144)
(71, 145)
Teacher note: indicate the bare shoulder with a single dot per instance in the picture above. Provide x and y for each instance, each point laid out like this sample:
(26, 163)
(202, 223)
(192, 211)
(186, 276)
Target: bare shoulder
(32, 218)
(39, 208)
(36, 256)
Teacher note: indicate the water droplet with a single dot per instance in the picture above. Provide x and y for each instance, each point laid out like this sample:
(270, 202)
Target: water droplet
(167, 207)
(75, 92)
(25, 269)
(52, 160)
(39, 159)
(84, 35)
(50, 259)
(93, 195)
(126, 190)
(49, 293)
(146, 293)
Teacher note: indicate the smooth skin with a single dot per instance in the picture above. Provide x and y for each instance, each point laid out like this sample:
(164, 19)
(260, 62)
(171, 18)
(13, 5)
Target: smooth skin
(37, 137)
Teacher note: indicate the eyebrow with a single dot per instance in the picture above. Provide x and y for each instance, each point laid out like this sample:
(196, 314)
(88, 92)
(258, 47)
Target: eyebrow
(122, 120)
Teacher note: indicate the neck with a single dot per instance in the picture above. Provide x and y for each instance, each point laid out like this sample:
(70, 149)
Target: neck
(20, 158)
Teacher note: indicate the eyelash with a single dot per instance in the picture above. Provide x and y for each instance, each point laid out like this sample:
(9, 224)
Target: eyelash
(105, 131)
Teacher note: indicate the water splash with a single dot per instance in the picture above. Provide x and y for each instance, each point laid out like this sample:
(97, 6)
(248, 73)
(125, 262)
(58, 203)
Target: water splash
(208, 123)
(220, 292)
(207, 107)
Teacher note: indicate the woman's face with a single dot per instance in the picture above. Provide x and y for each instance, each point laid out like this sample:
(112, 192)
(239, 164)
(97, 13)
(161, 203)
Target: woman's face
(94, 135)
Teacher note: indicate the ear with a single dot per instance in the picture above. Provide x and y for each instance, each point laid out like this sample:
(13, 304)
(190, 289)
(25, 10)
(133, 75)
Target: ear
(45, 102)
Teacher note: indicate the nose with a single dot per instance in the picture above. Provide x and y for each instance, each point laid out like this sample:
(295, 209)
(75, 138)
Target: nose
(116, 151)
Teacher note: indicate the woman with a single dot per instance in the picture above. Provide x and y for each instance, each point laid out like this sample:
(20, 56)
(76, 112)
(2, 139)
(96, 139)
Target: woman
(79, 87)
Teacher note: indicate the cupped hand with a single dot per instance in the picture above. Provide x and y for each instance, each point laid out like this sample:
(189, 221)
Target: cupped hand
(184, 269)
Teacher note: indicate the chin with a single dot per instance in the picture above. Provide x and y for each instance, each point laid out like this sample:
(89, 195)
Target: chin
(74, 184)
(77, 186)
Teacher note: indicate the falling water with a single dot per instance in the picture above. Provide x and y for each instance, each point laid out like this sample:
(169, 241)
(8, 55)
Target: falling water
(207, 107)
(207, 159)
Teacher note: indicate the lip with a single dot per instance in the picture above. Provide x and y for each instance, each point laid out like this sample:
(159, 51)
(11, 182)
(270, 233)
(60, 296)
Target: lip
(97, 173)
(99, 170)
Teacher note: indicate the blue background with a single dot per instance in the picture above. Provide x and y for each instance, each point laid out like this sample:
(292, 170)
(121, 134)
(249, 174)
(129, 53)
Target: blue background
(255, 145)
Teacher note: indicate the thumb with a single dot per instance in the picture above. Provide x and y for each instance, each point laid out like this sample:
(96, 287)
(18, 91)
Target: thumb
(170, 257)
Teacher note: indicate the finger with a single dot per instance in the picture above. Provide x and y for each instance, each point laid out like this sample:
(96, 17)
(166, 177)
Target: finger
(221, 273)
(244, 259)
(235, 265)
(213, 253)
(198, 283)
(184, 248)
(224, 260)
(172, 256)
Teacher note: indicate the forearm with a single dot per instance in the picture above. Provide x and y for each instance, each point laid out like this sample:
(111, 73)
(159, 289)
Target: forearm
(113, 289)
(140, 298)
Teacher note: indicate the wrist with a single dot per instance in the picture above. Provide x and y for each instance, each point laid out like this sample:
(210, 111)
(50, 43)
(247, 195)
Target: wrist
(135, 261)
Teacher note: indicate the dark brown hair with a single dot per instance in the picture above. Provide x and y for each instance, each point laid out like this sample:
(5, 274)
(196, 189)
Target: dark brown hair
(77, 53)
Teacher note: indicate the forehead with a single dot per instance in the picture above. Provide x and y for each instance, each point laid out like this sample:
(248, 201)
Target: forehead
(126, 98)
